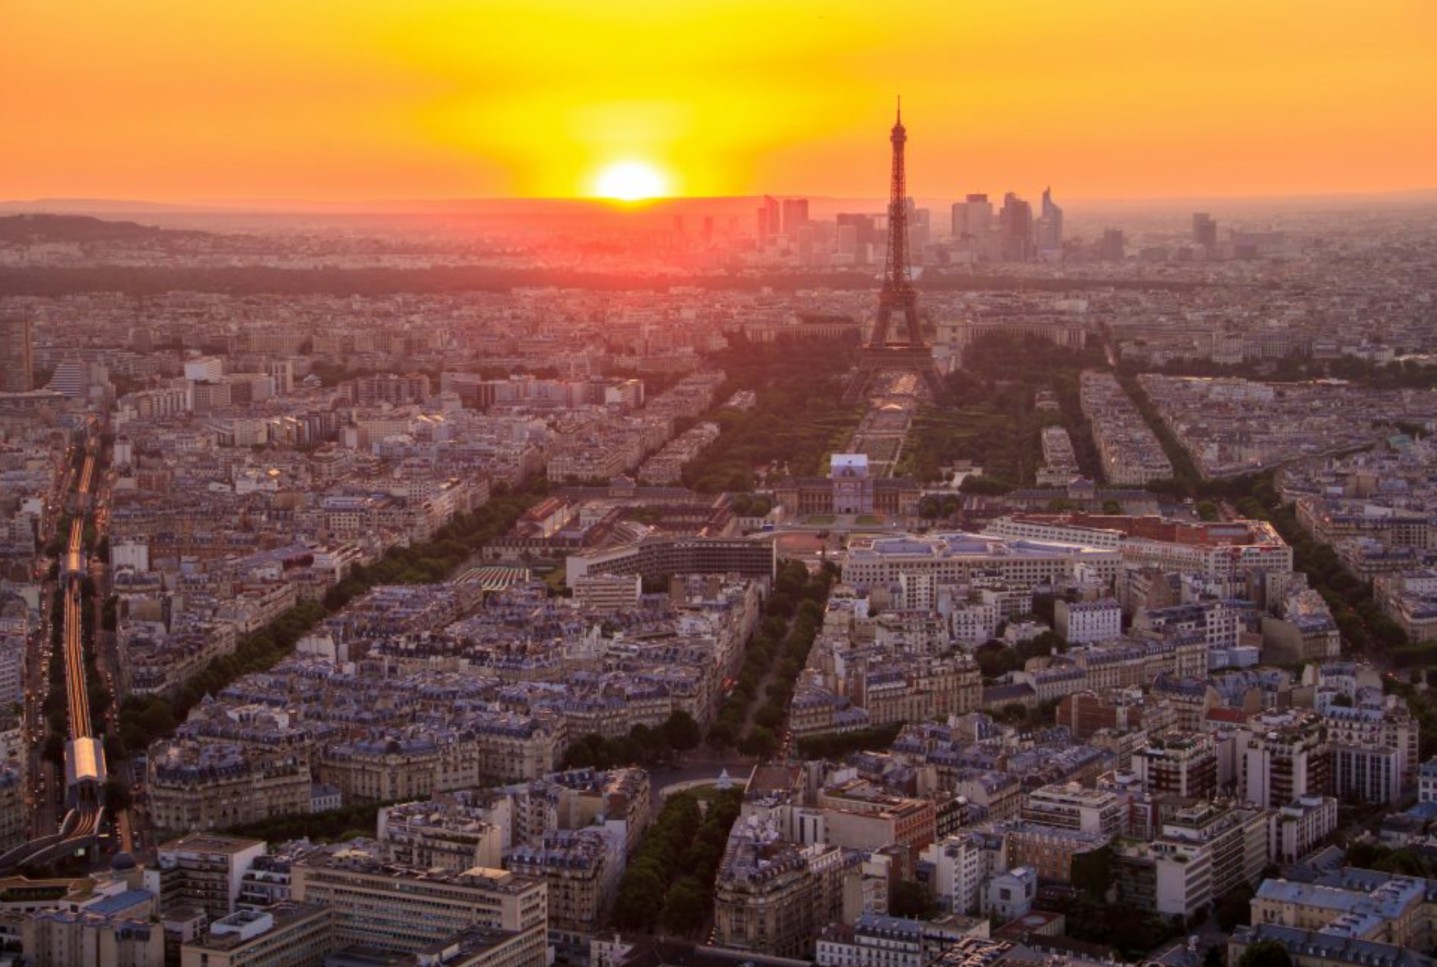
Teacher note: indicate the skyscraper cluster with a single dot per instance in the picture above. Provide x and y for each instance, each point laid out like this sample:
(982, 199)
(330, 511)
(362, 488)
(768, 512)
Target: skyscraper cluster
(1012, 233)
(786, 217)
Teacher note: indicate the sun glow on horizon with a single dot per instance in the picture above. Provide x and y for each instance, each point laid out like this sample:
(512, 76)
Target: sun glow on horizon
(352, 101)
(630, 181)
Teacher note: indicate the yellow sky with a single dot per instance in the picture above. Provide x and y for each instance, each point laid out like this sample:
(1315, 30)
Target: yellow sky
(342, 100)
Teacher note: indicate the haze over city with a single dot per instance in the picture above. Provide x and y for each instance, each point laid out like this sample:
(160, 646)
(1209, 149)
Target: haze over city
(718, 484)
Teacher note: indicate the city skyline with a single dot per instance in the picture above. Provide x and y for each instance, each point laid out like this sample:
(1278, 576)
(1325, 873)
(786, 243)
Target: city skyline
(361, 102)
(702, 483)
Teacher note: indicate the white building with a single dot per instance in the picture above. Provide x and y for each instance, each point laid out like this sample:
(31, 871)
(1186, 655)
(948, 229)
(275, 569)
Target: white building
(961, 558)
(1084, 622)
(1427, 781)
(130, 552)
(1184, 877)
(204, 368)
(1073, 807)
(12, 664)
(1050, 528)
(961, 865)
(1010, 894)
(1302, 824)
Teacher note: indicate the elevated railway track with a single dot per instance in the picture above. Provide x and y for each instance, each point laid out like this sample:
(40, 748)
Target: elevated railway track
(85, 771)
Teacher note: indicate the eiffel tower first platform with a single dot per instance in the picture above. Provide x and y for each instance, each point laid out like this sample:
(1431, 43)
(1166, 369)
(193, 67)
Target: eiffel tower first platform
(893, 347)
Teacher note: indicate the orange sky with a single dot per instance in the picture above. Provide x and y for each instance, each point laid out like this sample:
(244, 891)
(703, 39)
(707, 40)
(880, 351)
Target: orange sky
(344, 100)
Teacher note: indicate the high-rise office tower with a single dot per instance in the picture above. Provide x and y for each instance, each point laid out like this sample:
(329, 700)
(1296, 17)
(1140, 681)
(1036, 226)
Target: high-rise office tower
(1110, 246)
(1015, 229)
(864, 233)
(768, 220)
(804, 240)
(1050, 228)
(17, 355)
(795, 215)
(1205, 230)
(920, 230)
(973, 224)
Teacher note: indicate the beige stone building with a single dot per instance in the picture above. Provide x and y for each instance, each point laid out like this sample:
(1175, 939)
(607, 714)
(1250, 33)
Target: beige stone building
(64, 938)
(214, 786)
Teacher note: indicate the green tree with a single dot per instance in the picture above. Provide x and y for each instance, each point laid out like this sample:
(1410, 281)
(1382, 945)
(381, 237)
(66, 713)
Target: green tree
(641, 896)
(760, 742)
(1265, 953)
(685, 907)
(682, 732)
(996, 658)
(770, 716)
(1363, 853)
(1234, 909)
(1401, 862)
(1040, 645)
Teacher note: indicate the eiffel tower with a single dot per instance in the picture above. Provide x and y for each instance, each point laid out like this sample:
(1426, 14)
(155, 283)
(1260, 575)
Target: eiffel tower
(888, 349)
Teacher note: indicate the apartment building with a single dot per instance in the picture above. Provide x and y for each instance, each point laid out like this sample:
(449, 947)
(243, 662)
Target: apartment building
(582, 870)
(1303, 824)
(1082, 622)
(1179, 764)
(772, 896)
(426, 835)
(1282, 758)
(216, 785)
(70, 938)
(203, 870)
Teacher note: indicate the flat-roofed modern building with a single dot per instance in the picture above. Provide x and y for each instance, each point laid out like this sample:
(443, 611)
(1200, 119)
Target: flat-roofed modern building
(662, 557)
(294, 934)
(959, 558)
(406, 909)
(1073, 807)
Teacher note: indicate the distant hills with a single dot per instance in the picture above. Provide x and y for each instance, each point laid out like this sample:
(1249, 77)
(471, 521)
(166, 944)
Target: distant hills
(33, 228)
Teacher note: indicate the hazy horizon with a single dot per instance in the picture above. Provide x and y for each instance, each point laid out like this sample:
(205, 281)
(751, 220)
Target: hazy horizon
(354, 102)
(457, 205)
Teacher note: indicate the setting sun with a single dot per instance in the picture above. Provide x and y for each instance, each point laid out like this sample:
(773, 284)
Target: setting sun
(365, 100)
(630, 181)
